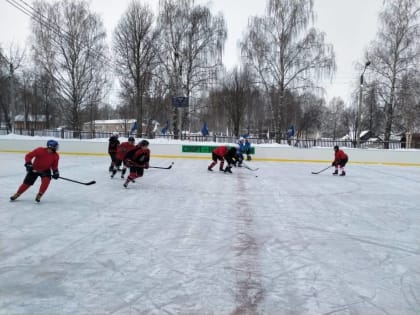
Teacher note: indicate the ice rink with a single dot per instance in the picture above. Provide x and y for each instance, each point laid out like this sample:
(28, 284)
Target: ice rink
(186, 241)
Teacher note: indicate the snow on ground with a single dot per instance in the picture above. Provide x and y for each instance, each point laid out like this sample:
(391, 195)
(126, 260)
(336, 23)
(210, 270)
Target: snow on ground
(187, 241)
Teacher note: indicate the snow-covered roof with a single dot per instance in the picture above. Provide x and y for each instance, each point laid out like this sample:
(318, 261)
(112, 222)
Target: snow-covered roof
(115, 121)
(30, 118)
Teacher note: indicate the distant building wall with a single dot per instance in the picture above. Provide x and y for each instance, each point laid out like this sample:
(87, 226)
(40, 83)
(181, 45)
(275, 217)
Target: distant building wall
(413, 140)
(118, 125)
(32, 122)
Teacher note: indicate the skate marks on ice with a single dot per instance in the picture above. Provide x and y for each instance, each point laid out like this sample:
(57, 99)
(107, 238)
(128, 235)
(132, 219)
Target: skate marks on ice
(347, 251)
(249, 292)
(286, 243)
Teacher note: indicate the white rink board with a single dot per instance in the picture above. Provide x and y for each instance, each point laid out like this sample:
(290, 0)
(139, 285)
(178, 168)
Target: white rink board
(280, 153)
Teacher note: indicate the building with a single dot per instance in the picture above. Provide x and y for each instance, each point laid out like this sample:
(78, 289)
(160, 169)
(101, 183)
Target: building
(110, 125)
(33, 122)
(413, 140)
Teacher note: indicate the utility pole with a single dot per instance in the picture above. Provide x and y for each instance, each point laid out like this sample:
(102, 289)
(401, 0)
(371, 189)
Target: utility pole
(359, 109)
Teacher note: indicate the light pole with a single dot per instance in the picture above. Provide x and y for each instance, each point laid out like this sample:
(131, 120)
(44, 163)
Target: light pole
(359, 109)
(177, 93)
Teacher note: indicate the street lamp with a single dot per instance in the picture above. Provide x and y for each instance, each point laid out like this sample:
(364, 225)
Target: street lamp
(359, 109)
(176, 111)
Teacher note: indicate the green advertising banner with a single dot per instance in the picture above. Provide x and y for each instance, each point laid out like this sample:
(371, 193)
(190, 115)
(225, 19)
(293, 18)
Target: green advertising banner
(203, 149)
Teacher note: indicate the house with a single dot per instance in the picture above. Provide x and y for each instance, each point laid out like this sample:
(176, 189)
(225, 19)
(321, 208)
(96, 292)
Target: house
(110, 125)
(33, 122)
(413, 140)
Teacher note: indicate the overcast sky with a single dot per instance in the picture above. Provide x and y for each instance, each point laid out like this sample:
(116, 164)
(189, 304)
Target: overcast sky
(349, 25)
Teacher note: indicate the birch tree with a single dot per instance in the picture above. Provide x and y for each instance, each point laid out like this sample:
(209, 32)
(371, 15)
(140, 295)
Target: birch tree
(136, 57)
(394, 54)
(286, 53)
(192, 42)
(69, 45)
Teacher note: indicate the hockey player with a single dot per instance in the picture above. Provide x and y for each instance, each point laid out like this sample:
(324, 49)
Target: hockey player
(122, 150)
(112, 149)
(247, 149)
(138, 160)
(240, 152)
(340, 160)
(221, 154)
(40, 162)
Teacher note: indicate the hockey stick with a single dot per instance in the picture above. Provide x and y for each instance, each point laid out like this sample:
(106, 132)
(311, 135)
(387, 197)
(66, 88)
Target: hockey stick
(163, 168)
(131, 163)
(249, 168)
(322, 170)
(75, 181)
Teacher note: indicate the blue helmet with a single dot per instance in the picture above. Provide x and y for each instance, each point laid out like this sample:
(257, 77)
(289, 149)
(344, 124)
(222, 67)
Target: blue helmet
(52, 144)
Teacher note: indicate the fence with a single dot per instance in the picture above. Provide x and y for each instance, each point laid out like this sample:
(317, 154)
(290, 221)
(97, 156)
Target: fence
(299, 143)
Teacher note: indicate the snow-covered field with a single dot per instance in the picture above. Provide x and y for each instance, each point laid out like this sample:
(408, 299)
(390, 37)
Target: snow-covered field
(187, 241)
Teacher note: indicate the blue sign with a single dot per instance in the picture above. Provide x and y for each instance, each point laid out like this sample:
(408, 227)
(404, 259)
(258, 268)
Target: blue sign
(180, 101)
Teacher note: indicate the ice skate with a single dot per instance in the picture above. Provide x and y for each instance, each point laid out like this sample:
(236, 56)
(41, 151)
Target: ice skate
(38, 197)
(14, 197)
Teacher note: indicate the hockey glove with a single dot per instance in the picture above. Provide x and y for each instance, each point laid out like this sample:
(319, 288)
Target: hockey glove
(146, 165)
(28, 167)
(128, 162)
(55, 174)
(333, 163)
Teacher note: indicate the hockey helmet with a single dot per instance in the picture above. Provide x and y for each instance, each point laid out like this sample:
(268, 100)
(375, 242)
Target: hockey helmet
(131, 139)
(52, 144)
(336, 148)
(144, 143)
(232, 150)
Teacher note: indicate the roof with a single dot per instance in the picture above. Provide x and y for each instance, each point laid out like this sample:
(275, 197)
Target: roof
(31, 118)
(115, 121)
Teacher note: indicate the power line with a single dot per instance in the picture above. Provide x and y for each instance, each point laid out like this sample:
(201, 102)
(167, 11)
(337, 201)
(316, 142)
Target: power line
(41, 19)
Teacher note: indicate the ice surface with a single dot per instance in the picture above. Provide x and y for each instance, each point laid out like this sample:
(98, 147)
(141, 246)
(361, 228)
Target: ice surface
(187, 241)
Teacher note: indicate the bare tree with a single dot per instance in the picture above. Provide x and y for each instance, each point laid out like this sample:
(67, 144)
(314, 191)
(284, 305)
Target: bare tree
(235, 92)
(192, 43)
(395, 53)
(4, 92)
(69, 45)
(134, 40)
(47, 94)
(215, 112)
(373, 116)
(285, 53)
(333, 119)
(310, 120)
(407, 113)
(9, 63)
